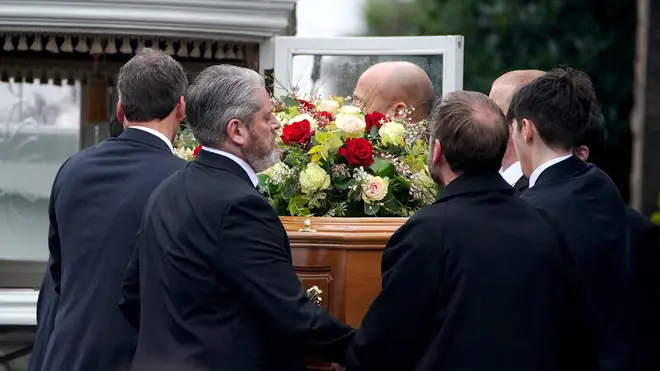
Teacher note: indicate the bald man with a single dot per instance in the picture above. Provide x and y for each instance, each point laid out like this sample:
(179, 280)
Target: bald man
(501, 92)
(394, 87)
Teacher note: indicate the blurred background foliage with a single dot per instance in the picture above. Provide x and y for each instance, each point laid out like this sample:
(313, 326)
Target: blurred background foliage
(597, 37)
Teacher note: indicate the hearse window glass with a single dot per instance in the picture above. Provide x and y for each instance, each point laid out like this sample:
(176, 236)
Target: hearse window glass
(39, 130)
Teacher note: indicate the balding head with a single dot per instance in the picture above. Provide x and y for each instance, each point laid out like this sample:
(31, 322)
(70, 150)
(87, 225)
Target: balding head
(391, 87)
(506, 85)
(469, 134)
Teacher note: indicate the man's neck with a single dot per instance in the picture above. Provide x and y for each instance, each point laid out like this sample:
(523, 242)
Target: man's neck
(163, 127)
(546, 154)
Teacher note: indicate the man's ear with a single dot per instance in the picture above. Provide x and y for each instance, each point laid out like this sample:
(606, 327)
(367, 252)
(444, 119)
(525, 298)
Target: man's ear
(582, 152)
(120, 112)
(181, 109)
(528, 130)
(436, 153)
(237, 132)
(400, 109)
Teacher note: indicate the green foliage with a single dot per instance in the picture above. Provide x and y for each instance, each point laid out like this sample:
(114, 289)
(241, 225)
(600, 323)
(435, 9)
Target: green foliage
(597, 37)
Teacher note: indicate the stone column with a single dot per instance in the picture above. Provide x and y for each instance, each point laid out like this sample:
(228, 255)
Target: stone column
(645, 120)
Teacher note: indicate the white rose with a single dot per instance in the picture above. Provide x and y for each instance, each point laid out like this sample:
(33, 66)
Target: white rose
(329, 105)
(350, 110)
(312, 122)
(313, 179)
(351, 126)
(391, 133)
(375, 189)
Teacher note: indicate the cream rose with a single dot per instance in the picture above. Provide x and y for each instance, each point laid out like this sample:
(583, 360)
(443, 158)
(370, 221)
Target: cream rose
(351, 126)
(329, 105)
(312, 122)
(314, 179)
(184, 153)
(375, 189)
(391, 133)
(350, 110)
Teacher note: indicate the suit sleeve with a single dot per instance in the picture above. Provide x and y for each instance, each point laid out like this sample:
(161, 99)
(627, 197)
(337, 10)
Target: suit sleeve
(129, 302)
(54, 244)
(395, 328)
(259, 266)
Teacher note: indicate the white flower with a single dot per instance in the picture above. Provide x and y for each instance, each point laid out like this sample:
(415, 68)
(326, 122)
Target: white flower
(351, 126)
(391, 133)
(277, 174)
(184, 153)
(329, 105)
(350, 110)
(312, 122)
(313, 179)
(375, 189)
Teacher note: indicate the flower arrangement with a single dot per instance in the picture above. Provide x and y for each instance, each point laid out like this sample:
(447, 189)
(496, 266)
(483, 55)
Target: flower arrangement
(339, 161)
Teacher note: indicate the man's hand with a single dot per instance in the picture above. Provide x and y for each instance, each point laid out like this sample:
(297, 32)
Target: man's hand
(338, 367)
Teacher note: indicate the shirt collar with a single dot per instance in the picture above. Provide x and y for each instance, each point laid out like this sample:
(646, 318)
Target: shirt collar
(156, 133)
(537, 172)
(244, 165)
(512, 174)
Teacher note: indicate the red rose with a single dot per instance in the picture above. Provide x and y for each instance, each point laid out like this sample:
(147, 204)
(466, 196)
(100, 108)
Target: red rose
(374, 119)
(357, 152)
(306, 105)
(297, 132)
(196, 150)
(326, 115)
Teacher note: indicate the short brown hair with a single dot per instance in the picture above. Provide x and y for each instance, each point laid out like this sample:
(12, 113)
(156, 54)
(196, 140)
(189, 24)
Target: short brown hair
(150, 85)
(472, 130)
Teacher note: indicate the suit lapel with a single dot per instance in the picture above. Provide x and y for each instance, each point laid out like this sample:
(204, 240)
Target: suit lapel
(140, 136)
(220, 162)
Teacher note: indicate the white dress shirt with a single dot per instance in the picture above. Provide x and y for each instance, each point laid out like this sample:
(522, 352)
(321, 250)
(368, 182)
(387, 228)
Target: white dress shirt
(248, 169)
(512, 174)
(156, 133)
(537, 172)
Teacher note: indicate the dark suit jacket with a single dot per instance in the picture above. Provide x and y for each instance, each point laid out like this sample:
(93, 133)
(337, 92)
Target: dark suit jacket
(46, 311)
(218, 288)
(593, 217)
(480, 280)
(95, 211)
(645, 241)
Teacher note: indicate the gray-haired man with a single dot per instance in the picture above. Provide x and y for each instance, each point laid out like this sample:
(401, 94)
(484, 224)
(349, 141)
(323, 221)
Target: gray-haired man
(218, 288)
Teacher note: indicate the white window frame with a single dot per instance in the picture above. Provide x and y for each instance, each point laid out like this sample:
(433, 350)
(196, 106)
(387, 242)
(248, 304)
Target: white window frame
(284, 48)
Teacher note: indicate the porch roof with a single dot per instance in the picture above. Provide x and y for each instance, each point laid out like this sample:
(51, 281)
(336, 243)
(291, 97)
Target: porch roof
(236, 20)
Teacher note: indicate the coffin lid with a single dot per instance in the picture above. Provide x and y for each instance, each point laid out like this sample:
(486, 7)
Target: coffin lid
(341, 233)
(237, 20)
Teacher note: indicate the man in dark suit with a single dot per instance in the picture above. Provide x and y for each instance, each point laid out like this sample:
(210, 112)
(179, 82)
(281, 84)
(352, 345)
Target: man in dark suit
(217, 286)
(644, 238)
(501, 92)
(48, 298)
(95, 210)
(463, 287)
(551, 115)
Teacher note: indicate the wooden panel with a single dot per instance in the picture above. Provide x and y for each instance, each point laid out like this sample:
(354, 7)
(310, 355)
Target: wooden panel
(363, 283)
(325, 269)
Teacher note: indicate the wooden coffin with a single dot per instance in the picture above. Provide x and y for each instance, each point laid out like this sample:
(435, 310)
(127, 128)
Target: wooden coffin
(342, 257)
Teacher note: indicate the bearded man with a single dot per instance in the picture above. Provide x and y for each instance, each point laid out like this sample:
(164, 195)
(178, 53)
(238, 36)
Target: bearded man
(216, 280)
(394, 88)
